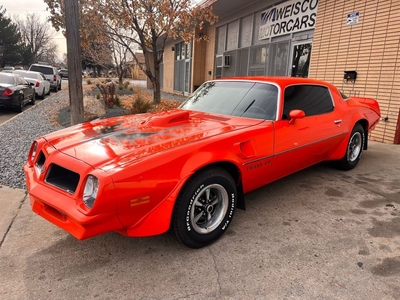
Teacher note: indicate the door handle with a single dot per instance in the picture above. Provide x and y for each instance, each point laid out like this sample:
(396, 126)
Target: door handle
(337, 121)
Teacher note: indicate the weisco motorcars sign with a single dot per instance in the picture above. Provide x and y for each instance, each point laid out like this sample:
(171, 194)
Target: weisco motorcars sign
(288, 17)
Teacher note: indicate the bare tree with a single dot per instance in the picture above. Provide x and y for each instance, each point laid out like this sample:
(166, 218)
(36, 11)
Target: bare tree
(121, 52)
(149, 24)
(37, 35)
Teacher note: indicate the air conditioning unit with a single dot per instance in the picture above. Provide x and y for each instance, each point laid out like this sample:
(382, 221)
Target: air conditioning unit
(223, 61)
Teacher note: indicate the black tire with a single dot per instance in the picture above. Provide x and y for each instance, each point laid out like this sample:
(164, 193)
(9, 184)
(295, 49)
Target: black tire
(33, 100)
(56, 89)
(21, 103)
(204, 208)
(354, 149)
(43, 94)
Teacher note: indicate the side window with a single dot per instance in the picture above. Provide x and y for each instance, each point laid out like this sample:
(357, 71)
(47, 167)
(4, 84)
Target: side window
(312, 99)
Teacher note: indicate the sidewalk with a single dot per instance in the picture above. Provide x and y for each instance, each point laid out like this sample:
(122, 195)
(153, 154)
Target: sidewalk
(10, 203)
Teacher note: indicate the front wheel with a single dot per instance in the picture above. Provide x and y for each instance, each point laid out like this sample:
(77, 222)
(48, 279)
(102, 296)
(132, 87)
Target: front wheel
(354, 149)
(204, 208)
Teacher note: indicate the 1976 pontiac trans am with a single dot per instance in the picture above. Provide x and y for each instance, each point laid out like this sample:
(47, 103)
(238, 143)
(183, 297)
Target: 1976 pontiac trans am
(186, 170)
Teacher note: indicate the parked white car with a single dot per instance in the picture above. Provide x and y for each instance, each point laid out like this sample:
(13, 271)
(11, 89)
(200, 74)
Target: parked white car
(50, 73)
(42, 86)
(8, 69)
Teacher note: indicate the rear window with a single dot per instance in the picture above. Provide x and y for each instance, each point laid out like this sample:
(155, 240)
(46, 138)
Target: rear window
(6, 79)
(41, 69)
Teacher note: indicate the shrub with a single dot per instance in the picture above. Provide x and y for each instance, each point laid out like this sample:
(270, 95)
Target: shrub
(140, 104)
(117, 101)
(88, 81)
(108, 92)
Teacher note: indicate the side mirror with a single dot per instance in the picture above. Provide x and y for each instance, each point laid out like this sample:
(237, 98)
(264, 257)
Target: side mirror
(296, 114)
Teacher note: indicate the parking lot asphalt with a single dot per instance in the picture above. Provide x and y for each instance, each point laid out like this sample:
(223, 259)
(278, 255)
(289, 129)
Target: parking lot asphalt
(318, 234)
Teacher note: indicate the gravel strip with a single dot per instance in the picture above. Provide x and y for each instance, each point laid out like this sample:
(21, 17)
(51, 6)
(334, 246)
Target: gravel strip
(17, 134)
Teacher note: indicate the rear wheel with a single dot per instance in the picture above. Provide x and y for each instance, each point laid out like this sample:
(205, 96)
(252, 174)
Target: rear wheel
(204, 208)
(43, 94)
(33, 99)
(56, 88)
(21, 103)
(354, 149)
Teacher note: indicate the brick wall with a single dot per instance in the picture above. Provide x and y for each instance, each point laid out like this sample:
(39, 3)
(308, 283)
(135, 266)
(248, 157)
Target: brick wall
(371, 48)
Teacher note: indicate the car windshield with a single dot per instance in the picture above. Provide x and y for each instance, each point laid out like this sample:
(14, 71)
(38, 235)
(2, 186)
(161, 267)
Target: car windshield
(6, 79)
(235, 98)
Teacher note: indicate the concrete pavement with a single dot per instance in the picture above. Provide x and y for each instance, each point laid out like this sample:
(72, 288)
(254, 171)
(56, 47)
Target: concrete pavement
(318, 234)
(10, 203)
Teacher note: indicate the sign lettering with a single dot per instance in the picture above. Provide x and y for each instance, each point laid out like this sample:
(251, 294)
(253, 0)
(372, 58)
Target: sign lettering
(289, 17)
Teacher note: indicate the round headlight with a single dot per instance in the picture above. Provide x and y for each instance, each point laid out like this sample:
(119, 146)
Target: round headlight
(90, 191)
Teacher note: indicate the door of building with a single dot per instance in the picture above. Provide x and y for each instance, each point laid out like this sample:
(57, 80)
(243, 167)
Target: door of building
(301, 55)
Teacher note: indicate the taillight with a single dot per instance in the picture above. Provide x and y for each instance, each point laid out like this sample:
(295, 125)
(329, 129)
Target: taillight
(54, 78)
(37, 84)
(7, 92)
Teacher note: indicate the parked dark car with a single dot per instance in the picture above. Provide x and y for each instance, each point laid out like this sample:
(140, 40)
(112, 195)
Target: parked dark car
(15, 91)
(63, 73)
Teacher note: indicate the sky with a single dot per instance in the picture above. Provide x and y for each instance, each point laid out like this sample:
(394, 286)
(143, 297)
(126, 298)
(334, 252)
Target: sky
(24, 7)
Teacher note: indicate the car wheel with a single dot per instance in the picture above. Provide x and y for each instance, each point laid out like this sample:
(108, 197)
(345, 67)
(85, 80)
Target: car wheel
(56, 88)
(354, 149)
(33, 99)
(21, 103)
(43, 94)
(204, 208)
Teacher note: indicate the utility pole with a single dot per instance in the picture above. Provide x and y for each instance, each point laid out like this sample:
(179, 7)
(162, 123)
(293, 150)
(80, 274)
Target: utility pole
(74, 61)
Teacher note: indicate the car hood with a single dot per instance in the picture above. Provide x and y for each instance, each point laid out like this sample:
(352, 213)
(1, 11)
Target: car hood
(136, 136)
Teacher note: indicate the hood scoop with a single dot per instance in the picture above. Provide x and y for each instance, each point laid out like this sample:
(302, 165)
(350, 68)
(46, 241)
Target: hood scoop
(169, 118)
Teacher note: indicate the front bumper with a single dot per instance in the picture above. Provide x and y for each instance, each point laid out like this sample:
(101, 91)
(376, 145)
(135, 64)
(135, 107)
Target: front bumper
(61, 210)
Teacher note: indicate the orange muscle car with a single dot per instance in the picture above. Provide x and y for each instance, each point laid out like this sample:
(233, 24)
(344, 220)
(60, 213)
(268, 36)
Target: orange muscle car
(187, 169)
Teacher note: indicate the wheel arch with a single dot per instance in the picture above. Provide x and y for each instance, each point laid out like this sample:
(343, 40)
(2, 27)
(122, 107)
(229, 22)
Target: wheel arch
(341, 150)
(365, 125)
(234, 171)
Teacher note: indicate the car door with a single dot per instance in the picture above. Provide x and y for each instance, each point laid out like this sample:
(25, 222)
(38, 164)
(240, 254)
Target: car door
(307, 140)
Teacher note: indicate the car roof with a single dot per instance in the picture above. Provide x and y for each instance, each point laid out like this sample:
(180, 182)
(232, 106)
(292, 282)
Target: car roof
(278, 80)
(10, 74)
(26, 72)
